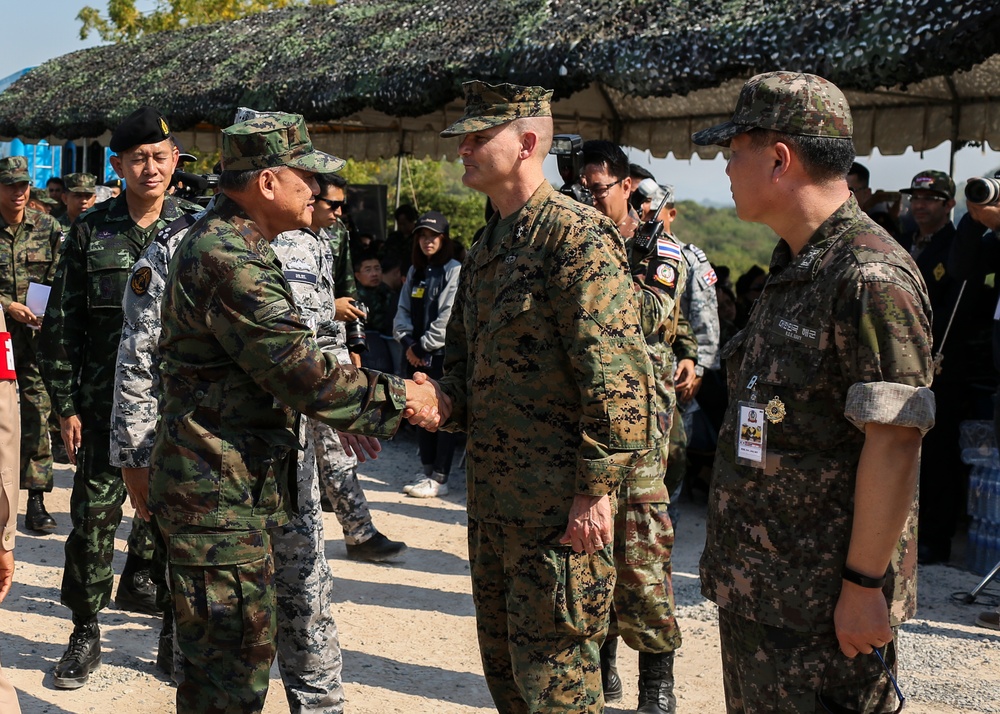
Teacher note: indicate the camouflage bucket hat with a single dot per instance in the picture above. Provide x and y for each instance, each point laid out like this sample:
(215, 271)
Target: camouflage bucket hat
(272, 140)
(14, 169)
(81, 183)
(787, 102)
(42, 196)
(489, 105)
(937, 182)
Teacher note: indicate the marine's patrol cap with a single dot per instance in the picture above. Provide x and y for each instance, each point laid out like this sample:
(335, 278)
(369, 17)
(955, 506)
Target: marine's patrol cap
(271, 140)
(937, 182)
(42, 196)
(786, 102)
(431, 220)
(489, 105)
(14, 169)
(143, 126)
(81, 183)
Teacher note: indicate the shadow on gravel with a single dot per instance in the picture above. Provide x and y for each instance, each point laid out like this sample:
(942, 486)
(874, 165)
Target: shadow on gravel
(425, 508)
(418, 560)
(403, 597)
(432, 683)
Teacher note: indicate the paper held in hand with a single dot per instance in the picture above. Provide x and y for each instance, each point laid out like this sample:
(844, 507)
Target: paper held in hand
(37, 298)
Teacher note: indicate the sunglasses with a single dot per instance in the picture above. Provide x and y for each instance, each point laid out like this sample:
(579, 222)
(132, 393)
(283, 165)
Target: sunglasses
(834, 708)
(334, 205)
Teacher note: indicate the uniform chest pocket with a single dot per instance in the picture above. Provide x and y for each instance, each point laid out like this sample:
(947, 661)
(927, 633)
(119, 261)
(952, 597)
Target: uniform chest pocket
(107, 277)
(41, 254)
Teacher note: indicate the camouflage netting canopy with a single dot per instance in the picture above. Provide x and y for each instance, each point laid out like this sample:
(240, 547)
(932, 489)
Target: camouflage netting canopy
(376, 77)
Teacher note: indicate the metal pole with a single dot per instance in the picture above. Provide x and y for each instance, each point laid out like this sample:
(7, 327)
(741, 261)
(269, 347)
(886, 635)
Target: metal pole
(399, 175)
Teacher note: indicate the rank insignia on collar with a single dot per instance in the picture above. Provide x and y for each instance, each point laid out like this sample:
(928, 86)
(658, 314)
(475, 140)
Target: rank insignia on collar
(775, 411)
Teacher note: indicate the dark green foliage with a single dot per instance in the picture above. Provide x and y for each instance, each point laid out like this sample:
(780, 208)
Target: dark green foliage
(725, 238)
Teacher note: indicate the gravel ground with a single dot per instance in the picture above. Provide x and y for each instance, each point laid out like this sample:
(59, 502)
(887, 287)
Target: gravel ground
(408, 630)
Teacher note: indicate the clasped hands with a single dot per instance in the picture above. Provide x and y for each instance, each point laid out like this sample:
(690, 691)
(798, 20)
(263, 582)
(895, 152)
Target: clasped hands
(426, 405)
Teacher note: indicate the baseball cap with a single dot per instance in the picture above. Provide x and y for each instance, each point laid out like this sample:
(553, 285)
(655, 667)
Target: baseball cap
(42, 196)
(787, 102)
(434, 221)
(143, 126)
(489, 105)
(937, 182)
(14, 169)
(271, 140)
(80, 183)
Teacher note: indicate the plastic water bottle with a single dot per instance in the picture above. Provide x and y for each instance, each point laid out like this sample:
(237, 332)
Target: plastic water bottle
(975, 489)
(972, 549)
(990, 509)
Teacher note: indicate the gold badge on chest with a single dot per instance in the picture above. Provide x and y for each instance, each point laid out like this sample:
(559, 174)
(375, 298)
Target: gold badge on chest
(775, 411)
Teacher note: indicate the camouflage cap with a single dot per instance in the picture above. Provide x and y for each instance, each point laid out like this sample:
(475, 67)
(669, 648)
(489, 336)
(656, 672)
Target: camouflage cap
(937, 182)
(14, 169)
(81, 183)
(272, 140)
(42, 196)
(787, 102)
(489, 105)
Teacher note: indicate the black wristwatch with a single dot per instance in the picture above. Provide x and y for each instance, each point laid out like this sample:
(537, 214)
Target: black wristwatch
(853, 576)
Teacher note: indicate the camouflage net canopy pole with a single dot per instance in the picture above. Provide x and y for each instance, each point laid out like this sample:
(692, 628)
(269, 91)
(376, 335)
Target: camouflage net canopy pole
(376, 77)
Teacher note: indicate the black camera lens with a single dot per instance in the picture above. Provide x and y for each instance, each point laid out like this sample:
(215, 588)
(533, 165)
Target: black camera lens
(356, 341)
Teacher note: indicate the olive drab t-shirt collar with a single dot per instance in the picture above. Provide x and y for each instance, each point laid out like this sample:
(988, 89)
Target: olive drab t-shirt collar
(806, 265)
(497, 242)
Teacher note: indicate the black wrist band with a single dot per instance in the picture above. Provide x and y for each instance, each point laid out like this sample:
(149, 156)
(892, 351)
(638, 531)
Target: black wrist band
(853, 576)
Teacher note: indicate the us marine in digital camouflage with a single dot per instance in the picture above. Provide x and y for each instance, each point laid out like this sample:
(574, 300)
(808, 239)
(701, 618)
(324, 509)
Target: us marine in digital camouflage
(547, 370)
(238, 364)
(811, 546)
(80, 335)
(643, 611)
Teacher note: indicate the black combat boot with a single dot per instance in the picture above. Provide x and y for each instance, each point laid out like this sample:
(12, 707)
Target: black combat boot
(136, 591)
(377, 549)
(82, 657)
(165, 647)
(656, 684)
(36, 518)
(610, 681)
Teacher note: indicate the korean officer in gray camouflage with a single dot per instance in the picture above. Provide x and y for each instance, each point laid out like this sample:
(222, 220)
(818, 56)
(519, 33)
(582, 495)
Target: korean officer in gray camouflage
(77, 352)
(810, 549)
(238, 366)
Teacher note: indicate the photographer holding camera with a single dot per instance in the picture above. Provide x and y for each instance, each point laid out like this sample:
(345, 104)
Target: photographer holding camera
(976, 250)
(424, 308)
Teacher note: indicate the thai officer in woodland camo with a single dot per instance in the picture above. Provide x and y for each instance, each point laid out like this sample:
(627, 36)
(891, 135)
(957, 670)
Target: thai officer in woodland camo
(79, 345)
(810, 547)
(547, 370)
(237, 366)
(29, 248)
(643, 611)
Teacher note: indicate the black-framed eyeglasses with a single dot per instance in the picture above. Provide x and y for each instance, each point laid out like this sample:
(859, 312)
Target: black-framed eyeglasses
(334, 205)
(838, 709)
(600, 190)
(927, 199)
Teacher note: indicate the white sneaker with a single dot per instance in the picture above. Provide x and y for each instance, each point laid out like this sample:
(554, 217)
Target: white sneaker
(428, 488)
(414, 480)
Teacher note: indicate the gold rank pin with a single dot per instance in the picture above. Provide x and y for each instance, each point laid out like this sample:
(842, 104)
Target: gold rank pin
(775, 411)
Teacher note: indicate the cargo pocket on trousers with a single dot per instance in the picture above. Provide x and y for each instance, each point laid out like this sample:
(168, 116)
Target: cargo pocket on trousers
(223, 584)
(583, 589)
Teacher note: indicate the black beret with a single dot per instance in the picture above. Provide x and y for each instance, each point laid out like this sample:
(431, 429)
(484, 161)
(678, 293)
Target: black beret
(143, 126)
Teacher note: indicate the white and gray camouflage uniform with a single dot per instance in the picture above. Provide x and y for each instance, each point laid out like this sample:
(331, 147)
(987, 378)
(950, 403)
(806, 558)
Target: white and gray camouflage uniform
(700, 306)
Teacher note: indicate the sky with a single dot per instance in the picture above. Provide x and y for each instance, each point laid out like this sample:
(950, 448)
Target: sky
(57, 32)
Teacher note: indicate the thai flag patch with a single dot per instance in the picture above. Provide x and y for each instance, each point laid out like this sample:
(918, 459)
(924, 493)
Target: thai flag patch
(710, 278)
(668, 249)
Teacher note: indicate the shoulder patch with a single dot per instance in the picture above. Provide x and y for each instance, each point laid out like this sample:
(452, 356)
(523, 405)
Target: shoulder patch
(140, 280)
(174, 227)
(698, 252)
(666, 248)
(710, 278)
(667, 275)
(271, 311)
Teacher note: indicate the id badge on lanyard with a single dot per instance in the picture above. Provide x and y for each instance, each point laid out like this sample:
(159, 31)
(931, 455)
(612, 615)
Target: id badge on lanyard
(751, 431)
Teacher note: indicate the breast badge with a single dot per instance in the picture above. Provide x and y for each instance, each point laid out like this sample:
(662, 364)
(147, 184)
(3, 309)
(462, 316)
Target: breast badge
(775, 411)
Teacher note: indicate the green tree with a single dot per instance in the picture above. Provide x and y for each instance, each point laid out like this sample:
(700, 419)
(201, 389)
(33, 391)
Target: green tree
(125, 22)
(724, 237)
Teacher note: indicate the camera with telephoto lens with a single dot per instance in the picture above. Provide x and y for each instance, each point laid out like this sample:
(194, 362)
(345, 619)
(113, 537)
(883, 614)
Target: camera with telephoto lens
(983, 191)
(568, 150)
(356, 341)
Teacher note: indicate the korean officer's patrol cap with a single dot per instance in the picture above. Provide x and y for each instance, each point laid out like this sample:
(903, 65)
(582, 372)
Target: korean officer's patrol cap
(274, 139)
(786, 102)
(489, 105)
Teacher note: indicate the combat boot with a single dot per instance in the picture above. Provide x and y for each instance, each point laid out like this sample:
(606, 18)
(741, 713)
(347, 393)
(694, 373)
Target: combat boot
(82, 657)
(377, 549)
(165, 647)
(136, 591)
(610, 681)
(36, 518)
(656, 683)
